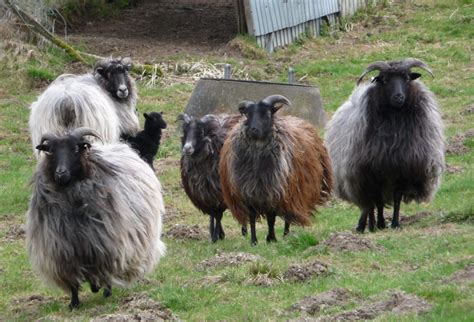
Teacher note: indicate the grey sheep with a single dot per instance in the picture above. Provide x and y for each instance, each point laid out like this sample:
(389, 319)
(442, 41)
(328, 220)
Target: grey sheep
(104, 100)
(94, 215)
(386, 142)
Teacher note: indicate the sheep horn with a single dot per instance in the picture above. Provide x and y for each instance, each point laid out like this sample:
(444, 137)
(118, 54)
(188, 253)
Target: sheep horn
(275, 99)
(83, 131)
(48, 137)
(378, 65)
(413, 62)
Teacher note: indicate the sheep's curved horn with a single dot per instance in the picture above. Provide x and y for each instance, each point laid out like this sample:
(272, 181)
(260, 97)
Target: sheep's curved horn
(274, 100)
(413, 62)
(103, 63)
(83, 131)
(378, 65)
(244, 105)
(48, 137)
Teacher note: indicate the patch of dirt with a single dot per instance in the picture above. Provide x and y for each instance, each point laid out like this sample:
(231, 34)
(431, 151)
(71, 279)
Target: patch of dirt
(157, 28)
(347, 241)
(456, 145)
(469, 109)
(15, 232)
(139, 308)
(338, 297)
(304, 272)
(453, 169)
(396, 302)
(406, 220)
(185, 232)
(463, 276)
(30, 303)
(229, 259)
(469, 134)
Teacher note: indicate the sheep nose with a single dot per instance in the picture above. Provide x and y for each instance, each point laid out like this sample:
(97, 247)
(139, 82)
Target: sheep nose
(122, 91)
(62, 175)
(254, 131)
(398, 98)
(188, 149)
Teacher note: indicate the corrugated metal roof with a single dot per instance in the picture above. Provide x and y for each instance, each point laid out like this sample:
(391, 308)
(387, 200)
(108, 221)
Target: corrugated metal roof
(273, 15)
(276, 23)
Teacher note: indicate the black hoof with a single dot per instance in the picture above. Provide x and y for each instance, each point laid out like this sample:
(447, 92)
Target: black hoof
(360, 230)
(94, 288)
(244, 231)
(253, 243)
(271, 239)
(222, 236)
(107, 292)
(381, 225)
(395, 226)
(74, 305)
(372, 229)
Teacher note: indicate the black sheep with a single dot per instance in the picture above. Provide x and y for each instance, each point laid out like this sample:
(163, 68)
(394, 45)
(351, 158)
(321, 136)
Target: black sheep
(147, 141)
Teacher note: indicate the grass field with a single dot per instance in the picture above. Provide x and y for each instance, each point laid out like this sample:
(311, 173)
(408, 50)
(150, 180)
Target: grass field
(419, 259)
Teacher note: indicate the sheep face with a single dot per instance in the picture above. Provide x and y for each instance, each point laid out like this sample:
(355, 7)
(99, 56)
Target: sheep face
(259, 116)
(115, 75)
(154, 120)
(64, 156)
(395, 87)
(196, 133)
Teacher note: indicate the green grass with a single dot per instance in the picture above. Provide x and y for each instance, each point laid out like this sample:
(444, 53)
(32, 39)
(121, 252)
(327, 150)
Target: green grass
(416, 259)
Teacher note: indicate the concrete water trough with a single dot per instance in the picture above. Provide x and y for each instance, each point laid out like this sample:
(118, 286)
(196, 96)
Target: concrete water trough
(214, 96)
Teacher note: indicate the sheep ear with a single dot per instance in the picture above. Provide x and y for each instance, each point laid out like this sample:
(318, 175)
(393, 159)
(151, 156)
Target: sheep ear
(43, 147)
(244, 105)
(100, 70)
(84, 146)
(145, 115)
(414, 76)
(127, 63)
(184, 118)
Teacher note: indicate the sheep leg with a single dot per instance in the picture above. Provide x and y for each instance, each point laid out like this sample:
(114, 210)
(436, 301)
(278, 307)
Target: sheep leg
(380, 218)
(397, 199)
(371, 220)
(286, 231)
(253, 233)
(107, 291)
(220, 230)
(74, 298)
(212, 226)
(244, 230)
(271, 227)
(362, 220)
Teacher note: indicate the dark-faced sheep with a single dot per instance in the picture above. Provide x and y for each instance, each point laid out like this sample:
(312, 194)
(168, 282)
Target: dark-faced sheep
(94, 216)
(273, 166)
(104, 101)
(147, 141)
(201, 145)
(386, 142)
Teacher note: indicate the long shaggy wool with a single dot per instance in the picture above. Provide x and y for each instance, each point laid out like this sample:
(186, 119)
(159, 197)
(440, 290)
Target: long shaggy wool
(104, 229)
(288, 173)
(373, 149)
(70, 102)
(200, 171)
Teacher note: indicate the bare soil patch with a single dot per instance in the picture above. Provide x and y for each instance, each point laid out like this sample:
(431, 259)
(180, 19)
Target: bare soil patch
(468, 110)
(304, 272)
(30, 304)
(157, 28)
(15, 232)
(453, 169)
(139, 308)
(396, 302)
(456, 145)
(406, 220)
(347, 241)
(463, 276)
(338, 297)
(229, 259)
(185, 232)
(469, 134)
